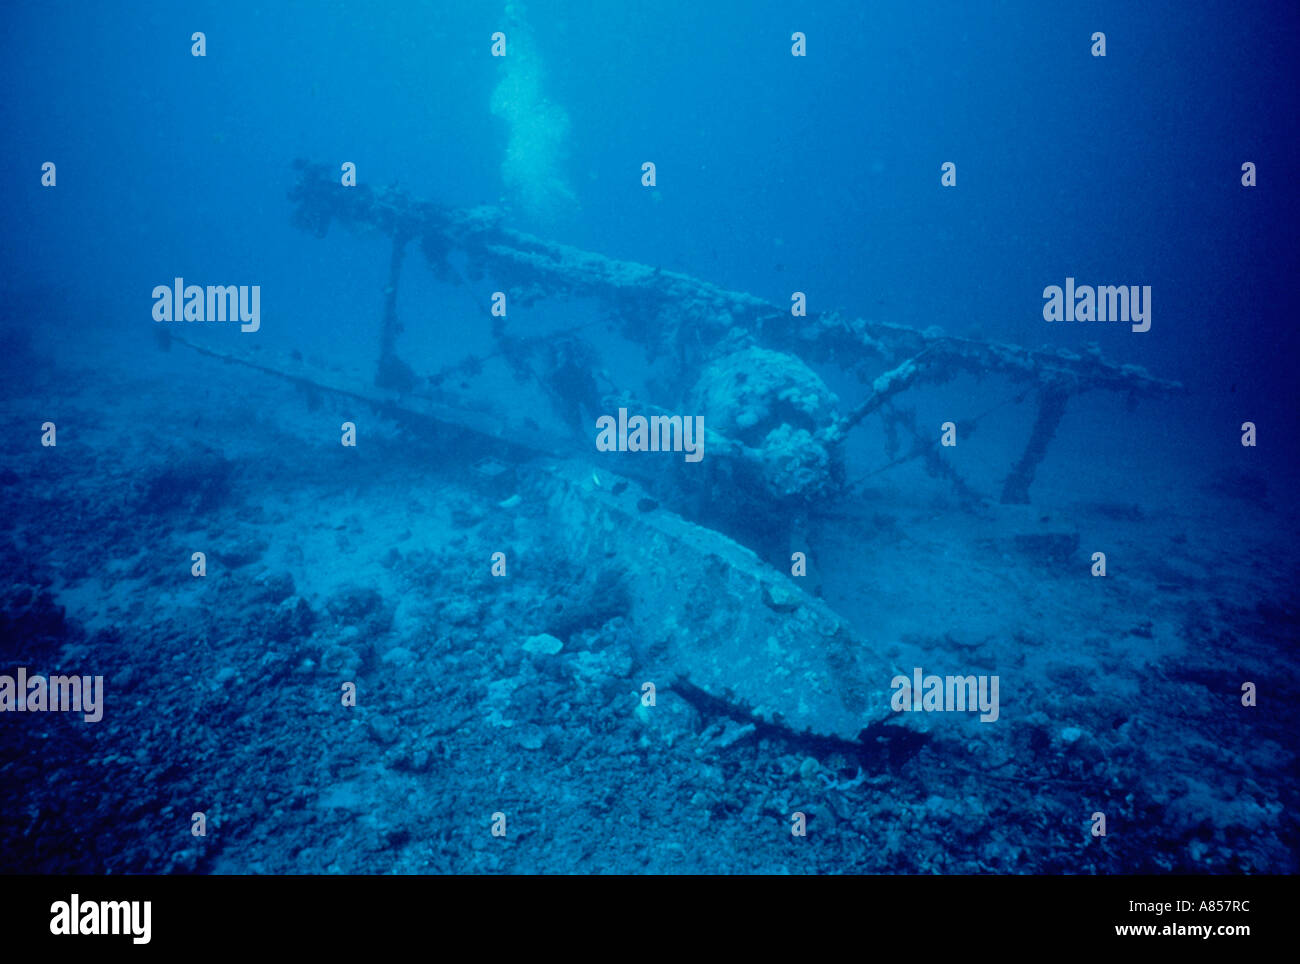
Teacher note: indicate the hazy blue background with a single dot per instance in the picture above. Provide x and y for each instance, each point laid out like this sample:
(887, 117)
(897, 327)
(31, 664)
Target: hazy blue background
(775, 174)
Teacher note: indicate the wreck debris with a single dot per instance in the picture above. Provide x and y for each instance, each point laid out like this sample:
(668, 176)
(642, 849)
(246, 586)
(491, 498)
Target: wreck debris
(700, 325)
(776, 656)
(774, 649)
(783, 655)
(774, 406)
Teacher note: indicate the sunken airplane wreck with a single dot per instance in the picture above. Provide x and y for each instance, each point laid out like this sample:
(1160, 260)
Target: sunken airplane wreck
(774, 654)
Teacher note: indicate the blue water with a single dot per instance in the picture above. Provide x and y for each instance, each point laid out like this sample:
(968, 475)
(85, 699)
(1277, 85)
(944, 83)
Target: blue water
(774, 174)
